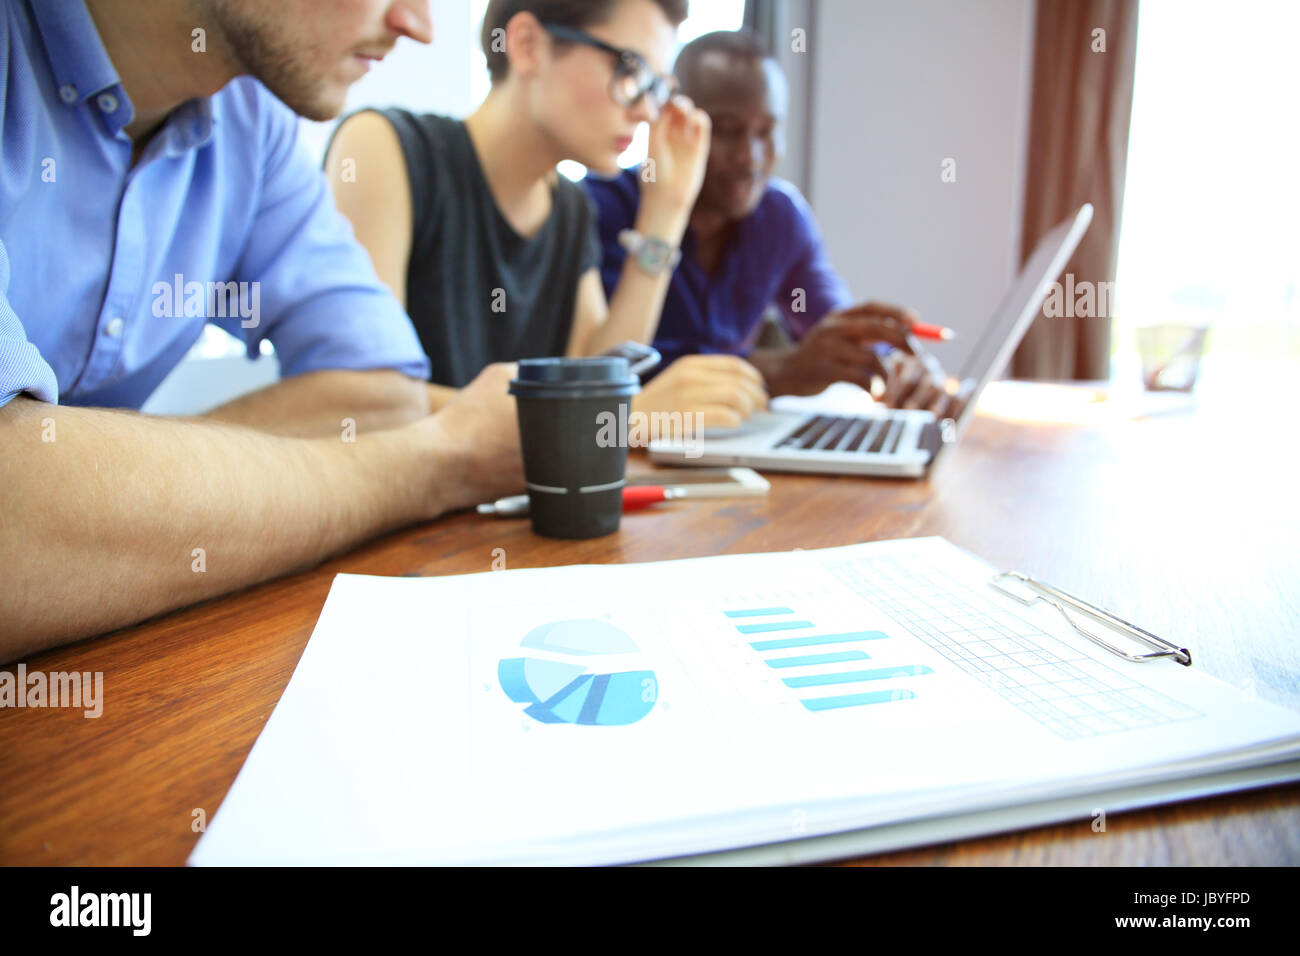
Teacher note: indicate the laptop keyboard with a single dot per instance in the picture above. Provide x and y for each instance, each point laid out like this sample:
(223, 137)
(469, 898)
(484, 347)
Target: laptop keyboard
(850, 433)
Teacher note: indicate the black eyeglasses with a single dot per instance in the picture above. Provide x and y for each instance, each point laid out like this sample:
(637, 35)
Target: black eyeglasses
(633, 77)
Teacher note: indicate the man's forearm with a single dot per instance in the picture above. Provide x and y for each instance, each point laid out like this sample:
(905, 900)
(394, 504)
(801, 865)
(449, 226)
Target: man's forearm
(110, 517)
(335, 402)
(438, 395)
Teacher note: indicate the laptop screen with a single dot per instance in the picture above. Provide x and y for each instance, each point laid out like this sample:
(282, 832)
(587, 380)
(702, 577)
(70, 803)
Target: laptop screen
(1020, 306)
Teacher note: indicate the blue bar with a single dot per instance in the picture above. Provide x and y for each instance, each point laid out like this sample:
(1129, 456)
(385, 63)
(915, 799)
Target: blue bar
(817, 639)
(772, 626)
(758, 611)
(832, 658)
(849, 677)
(853, 700)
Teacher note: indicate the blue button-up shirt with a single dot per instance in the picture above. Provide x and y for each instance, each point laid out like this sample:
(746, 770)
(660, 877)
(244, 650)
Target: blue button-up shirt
(109, 272)
(776, 258)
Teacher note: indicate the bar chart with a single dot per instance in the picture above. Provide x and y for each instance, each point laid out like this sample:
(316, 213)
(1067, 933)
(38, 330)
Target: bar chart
(838, 666)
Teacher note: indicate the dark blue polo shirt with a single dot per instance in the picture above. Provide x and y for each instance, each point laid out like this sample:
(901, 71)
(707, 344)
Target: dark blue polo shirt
(776, 258)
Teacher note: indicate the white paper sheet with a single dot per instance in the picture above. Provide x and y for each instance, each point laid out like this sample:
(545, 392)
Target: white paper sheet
(397, 739)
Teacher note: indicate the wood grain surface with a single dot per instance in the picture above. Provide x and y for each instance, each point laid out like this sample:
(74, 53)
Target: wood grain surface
(1152, 518)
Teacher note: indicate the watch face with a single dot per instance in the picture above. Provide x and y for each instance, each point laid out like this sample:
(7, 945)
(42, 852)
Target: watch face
(654, 254)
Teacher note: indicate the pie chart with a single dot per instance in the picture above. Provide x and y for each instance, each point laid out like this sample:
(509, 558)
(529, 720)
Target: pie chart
(560, 688)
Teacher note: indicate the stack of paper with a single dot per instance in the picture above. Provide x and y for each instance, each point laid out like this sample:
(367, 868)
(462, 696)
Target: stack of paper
(604, 714)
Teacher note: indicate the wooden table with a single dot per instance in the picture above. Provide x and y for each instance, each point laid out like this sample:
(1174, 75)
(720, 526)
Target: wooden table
(1147, 517)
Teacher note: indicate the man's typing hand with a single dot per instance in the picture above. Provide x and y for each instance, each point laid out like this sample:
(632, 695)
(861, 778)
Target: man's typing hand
(841, 347)
(915, 379)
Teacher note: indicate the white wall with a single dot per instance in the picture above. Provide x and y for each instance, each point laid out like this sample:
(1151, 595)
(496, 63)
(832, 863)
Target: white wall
(424, 79)
(897, 88)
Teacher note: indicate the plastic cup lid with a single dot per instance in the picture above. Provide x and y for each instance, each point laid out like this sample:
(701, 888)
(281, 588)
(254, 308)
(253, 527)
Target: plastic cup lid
(595, 375)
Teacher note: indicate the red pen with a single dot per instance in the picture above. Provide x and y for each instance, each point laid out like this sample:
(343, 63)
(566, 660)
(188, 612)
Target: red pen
(939, 333)
(635, 497)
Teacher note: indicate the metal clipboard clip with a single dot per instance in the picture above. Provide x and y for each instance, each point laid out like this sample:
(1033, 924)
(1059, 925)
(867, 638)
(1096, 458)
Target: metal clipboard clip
(1059, 599)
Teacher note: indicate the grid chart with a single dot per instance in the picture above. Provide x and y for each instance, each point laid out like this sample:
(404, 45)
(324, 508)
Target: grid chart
(1061, 688)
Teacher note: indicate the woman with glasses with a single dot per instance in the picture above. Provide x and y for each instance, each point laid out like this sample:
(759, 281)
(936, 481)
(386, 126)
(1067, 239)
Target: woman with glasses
(494, 255)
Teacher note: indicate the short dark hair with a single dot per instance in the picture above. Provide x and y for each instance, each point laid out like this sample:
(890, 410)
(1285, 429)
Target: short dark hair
(740, 44)
(569, 13)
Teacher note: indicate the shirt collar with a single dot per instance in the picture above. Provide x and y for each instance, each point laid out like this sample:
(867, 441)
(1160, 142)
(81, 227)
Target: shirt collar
(78, 61)
(190, 125)
(82, 68)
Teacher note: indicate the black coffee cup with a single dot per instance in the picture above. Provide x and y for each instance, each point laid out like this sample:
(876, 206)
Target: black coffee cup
(571, 428)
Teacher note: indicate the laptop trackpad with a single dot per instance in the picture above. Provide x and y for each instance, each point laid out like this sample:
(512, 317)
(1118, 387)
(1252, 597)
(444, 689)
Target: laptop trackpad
(758, 424)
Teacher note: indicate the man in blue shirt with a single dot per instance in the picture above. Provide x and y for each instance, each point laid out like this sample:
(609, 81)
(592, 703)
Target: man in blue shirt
(753, 243)
(151, 181)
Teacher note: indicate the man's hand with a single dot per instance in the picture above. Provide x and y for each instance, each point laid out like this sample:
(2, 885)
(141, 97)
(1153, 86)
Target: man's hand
(917, 380)
(479, 429)
(679, 151)
(839, 348)
(724, 389)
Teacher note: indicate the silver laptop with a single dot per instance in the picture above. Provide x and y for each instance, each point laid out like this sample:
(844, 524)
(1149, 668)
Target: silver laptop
(895, 443)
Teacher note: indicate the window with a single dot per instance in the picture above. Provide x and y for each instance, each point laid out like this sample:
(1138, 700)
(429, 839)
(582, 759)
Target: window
(1211, 200)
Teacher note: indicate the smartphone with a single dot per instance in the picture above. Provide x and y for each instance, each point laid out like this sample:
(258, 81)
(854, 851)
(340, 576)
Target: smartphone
(640, 358)
(705, 482)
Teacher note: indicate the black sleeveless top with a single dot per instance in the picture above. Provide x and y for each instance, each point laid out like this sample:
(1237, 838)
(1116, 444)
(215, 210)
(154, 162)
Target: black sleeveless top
(476, 291)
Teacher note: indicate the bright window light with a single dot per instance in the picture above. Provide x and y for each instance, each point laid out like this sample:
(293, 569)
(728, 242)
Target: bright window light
(1211, 200)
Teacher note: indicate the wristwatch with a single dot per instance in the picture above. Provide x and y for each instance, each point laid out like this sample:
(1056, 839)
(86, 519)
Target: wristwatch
(652, 255)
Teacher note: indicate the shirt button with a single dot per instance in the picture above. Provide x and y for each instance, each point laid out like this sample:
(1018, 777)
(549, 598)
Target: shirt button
(68, 93)
(107, 102)
(114, 327)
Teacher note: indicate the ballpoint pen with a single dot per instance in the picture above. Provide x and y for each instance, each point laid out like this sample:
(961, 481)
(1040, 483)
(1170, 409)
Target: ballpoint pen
(937, 333)
(635, 497)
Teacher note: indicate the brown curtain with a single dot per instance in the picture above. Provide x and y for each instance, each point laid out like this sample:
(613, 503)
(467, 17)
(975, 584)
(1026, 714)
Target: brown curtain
(1078, 146)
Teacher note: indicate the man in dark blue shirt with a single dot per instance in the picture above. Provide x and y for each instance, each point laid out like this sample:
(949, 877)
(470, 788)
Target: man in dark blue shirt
(753, 243)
